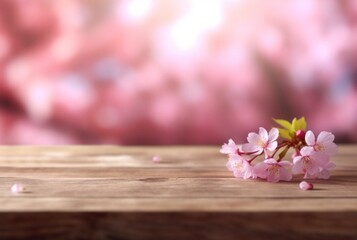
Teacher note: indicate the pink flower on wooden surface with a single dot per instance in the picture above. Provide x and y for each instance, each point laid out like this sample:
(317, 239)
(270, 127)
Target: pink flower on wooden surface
(240, 167)
(229, 148)
(310, 157)
(273, 171)
(264, 141)
(324, 142)
(309, 162)
(306, 186)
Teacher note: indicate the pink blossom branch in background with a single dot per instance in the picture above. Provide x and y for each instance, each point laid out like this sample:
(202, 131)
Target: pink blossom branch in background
(173, 72)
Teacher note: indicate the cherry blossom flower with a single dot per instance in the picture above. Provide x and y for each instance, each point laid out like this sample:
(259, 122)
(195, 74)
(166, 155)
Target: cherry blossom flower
(229, 148)
(240, 167)
(257, 143)
(310, 157)
(273, 170)
(309, 162)
(324, 142)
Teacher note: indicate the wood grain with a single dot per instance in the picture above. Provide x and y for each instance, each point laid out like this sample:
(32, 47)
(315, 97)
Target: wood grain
(114, 192)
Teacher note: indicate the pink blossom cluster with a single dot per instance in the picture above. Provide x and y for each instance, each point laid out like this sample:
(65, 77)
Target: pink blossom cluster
(311, 156)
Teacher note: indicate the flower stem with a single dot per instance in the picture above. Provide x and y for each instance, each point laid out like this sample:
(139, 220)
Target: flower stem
(279, 147)
(283, 153)
(251, 160)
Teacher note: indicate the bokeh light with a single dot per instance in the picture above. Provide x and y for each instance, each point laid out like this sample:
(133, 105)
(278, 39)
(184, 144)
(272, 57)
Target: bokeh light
(174, 72)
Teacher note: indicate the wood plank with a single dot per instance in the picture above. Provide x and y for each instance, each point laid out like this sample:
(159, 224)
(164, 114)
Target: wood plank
(175, 188)
(116, 192)
(114, 172)
(234, 205)
(202, 225)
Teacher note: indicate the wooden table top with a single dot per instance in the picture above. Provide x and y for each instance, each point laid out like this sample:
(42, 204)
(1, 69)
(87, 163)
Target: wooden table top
(107, 191)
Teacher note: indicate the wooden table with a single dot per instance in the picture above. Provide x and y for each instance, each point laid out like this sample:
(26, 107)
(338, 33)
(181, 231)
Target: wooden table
(110, 192)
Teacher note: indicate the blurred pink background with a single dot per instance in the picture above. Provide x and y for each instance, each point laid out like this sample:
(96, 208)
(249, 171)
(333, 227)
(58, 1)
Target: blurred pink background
(174, 72)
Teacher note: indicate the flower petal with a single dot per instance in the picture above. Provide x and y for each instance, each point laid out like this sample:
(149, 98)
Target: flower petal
(272, 146)
(324, 174)
(306, 186)
(297, 159)
(273, 176)
(285, 175)
(260, 170)
(331, 149)
(248, 172)
(229, 148)
(254, 138)
(325, 170)
(313, 169)
(236, 158)
(325, 138)
(273, 134)
(330, 165)
(250, 148)
(310, 138)
(263, 134)
(229, 166)
(270, 161)
(297, 167)
(319, 158)
(238, 173)
(249, 169)
(307, 151)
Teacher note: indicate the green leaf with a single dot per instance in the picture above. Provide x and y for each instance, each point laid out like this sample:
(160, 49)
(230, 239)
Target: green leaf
(293, 123)
(285, 133)
(285, 124)
(299, 124)
(289, 129)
